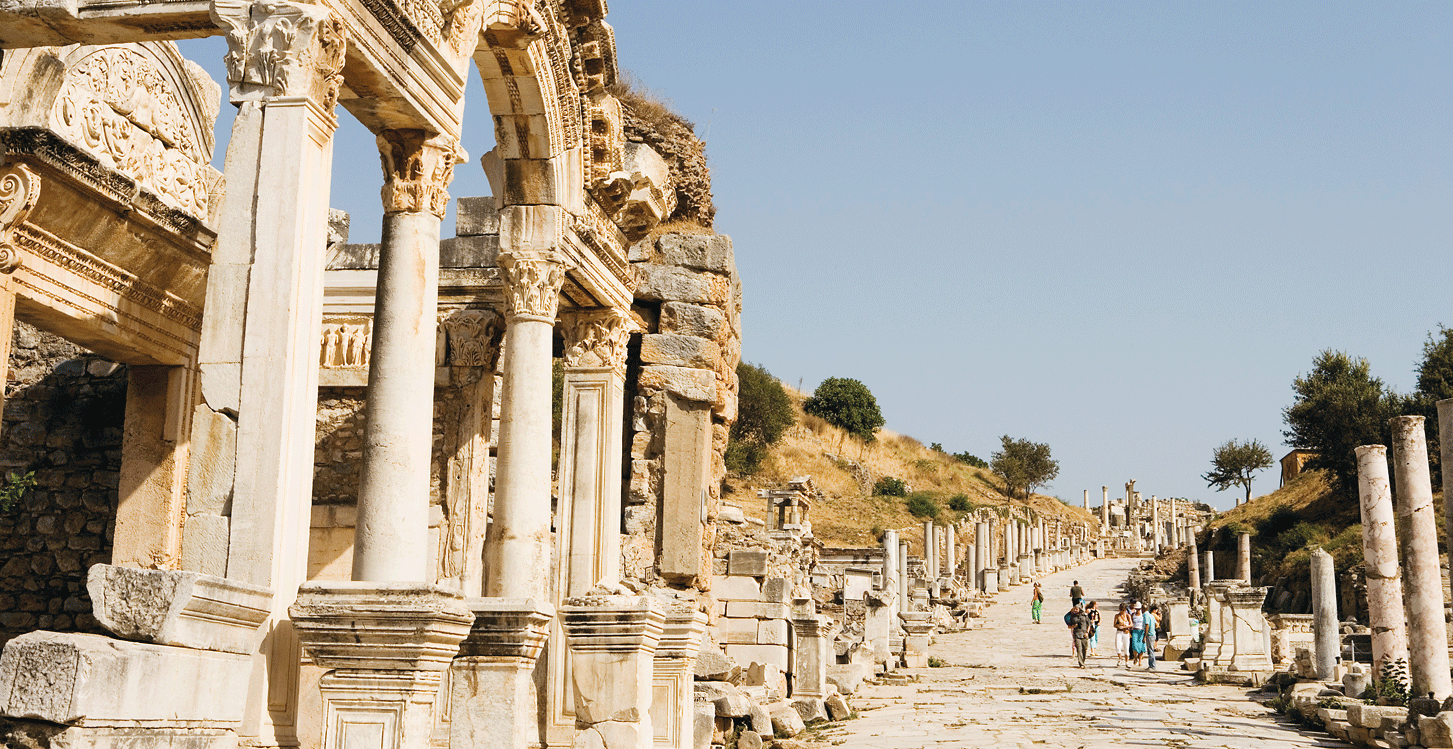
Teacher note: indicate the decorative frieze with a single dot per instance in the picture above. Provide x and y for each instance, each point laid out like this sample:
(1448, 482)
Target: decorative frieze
(19, 190)
(417, 170)
(282, 48)
(346, 343)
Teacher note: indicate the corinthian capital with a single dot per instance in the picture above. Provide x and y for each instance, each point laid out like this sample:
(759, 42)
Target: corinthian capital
(417, 170)
(532, 285)
(597, 338)
(281, 48)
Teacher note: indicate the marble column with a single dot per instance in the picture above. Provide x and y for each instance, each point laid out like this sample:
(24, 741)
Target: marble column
(1178, 538)
(1243, 558)
(1155, 532)
(517, 551)
(1380, 555)
(1445, 449)
(950, 555)
(903, 602)
(930, 562)
(1104, 508)
(892, 584)
(981, 559)
(1325, 633)
(391, 539)
(1427, 629)
(1193, 568)
(1085, 501)
(1209, 573)
(258, 354)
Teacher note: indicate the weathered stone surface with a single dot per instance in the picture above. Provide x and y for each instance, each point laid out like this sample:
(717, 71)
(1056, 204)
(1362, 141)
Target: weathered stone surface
(703, 725)
(475, 216)
(712, 665)
(837, 707)
(733, 706)
(209, 486)
(668, 283)
(750, 609)
(776, 590)
(760, 720)
(1436, 732)
(747, 562)
(712, 252)
(469, 251)
(810, 708)
(749, 740)
(786, 720)
(89, 679)
(204, 544)
(774, 655)
(380, 625)
(847, 677)
(735, 588)
(186, 609)
(772, 632)
(694, 320)
(676, 350)
(684, 382)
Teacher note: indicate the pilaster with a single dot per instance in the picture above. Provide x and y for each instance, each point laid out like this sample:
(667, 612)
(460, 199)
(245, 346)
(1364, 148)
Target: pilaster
(672, 719)
(492, 703)
(613, 641)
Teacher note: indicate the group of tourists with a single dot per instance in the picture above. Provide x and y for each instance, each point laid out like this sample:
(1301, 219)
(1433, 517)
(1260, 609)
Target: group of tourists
(1136, 628)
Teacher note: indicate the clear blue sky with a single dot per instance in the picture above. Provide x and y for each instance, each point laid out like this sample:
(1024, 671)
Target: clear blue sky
(1118, 228)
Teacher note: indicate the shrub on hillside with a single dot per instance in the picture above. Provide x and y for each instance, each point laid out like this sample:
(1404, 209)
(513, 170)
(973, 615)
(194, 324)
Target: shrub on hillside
(890, 487)
(973, 460)
(922, 505)
(960, 503)
(763, 414)
(848, 404)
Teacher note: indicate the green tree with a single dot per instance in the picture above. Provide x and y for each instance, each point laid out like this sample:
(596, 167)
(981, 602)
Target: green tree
(847, 404)
(1339, 405)
(1234, 463)
(1023, 465)
(1435, 383)
(970, 459)
(763, 414)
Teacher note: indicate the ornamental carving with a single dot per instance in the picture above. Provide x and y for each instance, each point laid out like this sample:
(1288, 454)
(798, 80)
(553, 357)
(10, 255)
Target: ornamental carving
(346, 345)
(282, 48)
(19, 190)
(532, 285)
(597, 339)
(605, 149)
(417, 170)
(117, 105)
(472, 337)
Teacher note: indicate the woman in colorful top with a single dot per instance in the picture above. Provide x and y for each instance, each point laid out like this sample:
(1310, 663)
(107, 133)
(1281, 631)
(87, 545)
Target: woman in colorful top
(1036, 603)
(1092, 610)
(1137, 634)
(1122, 635)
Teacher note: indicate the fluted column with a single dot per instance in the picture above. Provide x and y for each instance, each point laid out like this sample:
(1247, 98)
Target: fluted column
(1427, 629)
(517, 552)
(392, 536)
(1380, 554)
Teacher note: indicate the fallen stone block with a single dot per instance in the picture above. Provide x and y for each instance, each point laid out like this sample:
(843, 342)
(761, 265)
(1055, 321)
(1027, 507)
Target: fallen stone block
(185, 609)
(733, 706)
(1436, 732)
(848, 677)
(703, 724)
(711, 691)
(837, 707)
(810, 708)
(749, 740)
(760, 720)
(713, 665)
(786, 720)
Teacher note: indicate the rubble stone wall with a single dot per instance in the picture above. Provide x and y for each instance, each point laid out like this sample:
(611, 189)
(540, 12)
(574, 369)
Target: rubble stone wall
(63, 416)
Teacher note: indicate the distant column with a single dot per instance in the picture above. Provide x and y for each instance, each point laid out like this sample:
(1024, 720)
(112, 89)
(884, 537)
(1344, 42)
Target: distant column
(1380, 554)
(1104, 509)
(1193, 568)
(1155, 524)
(890, 571)
(1243, 558)
(1087, 500)
(1325, 634)
(981, 558)
(929, 568)
(1427, 629)
(950, 550)
(1210, 568)
(903, 603)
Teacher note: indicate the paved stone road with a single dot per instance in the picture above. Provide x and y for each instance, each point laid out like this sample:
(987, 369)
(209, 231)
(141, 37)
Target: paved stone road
(985, 696)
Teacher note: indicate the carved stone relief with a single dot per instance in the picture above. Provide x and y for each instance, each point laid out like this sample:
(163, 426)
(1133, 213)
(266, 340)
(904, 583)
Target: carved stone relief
(532, 285)
(282, 48)
(417, 170)
(118, 106)
(597, 338)
(346, 343)
(472, 337)
(19, 189)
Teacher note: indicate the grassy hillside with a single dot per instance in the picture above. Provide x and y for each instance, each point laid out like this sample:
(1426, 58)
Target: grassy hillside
(845, 470)
(1291, 521)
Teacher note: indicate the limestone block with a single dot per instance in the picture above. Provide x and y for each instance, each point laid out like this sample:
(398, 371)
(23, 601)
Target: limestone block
(738, 631)
(733, 706)
(711, 252)
(810, 709)
(475, 216)
(1436, 732)
(667, 283)
(338, 223)
(847, 677)
(730, 513)
(747, 562)
(1370, 716)
(469, 252)
(766, 676)
(204, 544)
(703, 724)
(186, 609)
(691, 384)
(760, 720)
(772, 632)
(735, 588)
(694, 320)
(749, 609)
(213, 459)
(786, 719)
(776, 590)
(772, 655)
(387, 626)
(677, 350)
(711, 691)
(94, 680)
(712, 665)
(837, 707)
(749, 740)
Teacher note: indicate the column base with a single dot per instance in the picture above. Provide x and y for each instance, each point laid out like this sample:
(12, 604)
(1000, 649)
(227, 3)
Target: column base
(672, 695)
(613, 641)
(493, 703)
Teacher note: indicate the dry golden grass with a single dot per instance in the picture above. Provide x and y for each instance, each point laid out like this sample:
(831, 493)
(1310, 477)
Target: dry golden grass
(848, 514)
(1309, 494)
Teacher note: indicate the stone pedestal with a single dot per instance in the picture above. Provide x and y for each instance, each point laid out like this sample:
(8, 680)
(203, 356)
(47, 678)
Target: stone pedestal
(613, 642)
(1326, 635)
(1248, 628)
(387, 645)
(1380, 555)
(991, 580)
(672, 695)
(492, 699)
(1427, 629)
(810, 657)
(877, 627)
(919, 626)
(1178, 625)
(1026, 568)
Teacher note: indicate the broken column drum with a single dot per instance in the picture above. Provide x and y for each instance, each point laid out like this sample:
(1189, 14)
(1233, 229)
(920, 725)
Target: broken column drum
(1326, 635)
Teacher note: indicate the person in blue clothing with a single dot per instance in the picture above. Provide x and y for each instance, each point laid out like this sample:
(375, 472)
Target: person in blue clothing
(1137, 634)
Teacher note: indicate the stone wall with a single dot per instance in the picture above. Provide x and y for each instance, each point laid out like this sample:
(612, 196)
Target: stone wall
(682, 391)
(63, 415)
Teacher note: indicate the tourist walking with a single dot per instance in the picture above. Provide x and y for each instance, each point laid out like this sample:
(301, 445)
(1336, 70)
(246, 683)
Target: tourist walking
(1152, 631)
(1080, 631)
(1122, 635)
(1092, 610)
(1036, 603)
(1076, 592)
(1137, 634)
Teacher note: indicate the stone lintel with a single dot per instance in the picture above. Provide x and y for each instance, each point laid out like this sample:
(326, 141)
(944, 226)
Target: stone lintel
(507, 628)
(385, 626)
(185, 609)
